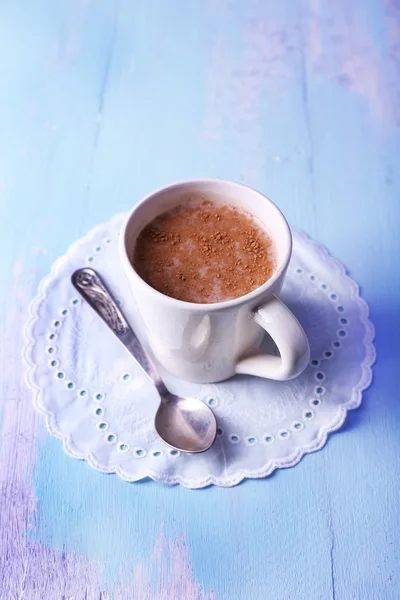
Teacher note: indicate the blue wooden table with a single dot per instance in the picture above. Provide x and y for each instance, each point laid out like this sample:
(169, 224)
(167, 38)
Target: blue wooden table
(103, 101)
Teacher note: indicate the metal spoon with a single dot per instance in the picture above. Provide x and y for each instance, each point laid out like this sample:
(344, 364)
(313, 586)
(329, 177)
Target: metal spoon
(183, 423)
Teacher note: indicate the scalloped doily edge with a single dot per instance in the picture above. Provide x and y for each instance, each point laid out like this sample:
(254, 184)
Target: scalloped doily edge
(290, 461)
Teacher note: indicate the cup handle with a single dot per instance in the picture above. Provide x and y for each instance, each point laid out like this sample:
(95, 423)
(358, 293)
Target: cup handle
(290, 339)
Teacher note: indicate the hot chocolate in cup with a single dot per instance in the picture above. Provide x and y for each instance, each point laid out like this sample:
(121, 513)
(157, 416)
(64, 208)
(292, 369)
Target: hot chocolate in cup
(204, 251)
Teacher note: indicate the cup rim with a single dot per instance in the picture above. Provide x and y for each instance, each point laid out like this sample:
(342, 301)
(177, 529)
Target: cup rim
(212, 306)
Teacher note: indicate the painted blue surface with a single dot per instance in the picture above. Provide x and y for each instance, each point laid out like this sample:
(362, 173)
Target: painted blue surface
(101, 102)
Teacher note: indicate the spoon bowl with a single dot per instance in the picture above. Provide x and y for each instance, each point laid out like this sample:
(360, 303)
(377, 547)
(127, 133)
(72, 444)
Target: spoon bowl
(185, 424)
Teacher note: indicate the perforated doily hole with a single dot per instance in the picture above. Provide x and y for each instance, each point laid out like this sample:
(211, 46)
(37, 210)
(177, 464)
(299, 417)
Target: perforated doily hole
(320, 376)
(70, 385)
(315, 402)
(284, 434)
(308, 415)
(102, 426)
(111, 438)
(234, 438)
(269, 439)
(126, 376)
(139, 453)
(251, 441)
(99, 397)
(211, 401)
(298, 426)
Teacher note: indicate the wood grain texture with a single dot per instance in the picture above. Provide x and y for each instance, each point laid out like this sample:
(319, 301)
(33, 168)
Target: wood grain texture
(103, 101)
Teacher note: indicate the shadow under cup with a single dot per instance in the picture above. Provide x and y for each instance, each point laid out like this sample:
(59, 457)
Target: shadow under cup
(202, 342)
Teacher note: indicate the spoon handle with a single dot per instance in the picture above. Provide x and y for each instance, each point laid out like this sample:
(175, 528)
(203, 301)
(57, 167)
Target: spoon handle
(93, 289)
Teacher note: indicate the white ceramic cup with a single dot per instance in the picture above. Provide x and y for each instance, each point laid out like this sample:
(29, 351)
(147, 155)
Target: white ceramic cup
(206, 343)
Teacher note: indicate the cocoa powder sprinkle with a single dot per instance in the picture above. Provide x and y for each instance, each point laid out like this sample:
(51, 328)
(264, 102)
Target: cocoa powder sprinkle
(204, 252)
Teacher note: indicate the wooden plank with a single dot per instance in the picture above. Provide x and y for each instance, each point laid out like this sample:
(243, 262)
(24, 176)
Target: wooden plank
(101, 102)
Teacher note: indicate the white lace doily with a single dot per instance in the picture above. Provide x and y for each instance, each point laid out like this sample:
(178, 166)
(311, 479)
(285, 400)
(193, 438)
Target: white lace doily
(102, 406)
